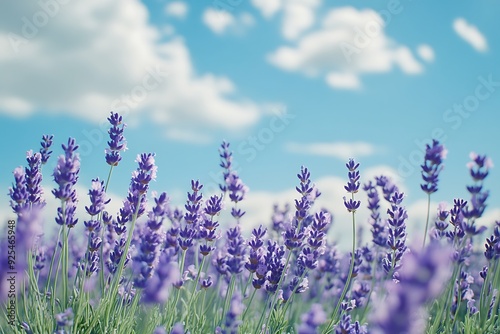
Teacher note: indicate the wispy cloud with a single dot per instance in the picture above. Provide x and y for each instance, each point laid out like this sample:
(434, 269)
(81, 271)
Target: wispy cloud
(340, 150)
(470, 34)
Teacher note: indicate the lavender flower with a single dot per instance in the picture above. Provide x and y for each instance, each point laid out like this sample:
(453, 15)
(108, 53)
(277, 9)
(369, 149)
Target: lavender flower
(346, 326)
(388, 187)
(226, 163)
(66, 176)
(256, 264)
(232, 182)
(134, 205)
(98, 199)
(479, 166)
(463, 292)
(294, 233)
(312, 320)
(158, 286)
(492, 244)
(479, 170)
(236, 250)
(352, 186)
(379, 232)
(440, 224)
(26, 202)
(117, 142)
(145, 260)
(46, 143)
(432, 166)
(275, 261)
(209, 226)
(457, 221)
(397, 233)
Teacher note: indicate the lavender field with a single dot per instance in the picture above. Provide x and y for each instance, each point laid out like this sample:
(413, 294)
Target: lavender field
(249, 167)
(156, 268)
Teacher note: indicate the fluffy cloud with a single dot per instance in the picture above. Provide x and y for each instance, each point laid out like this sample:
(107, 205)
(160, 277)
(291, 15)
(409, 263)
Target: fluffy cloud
(177, 9)
(339, 150)
(470, 34)
(90, 57)
(222, 21)
(349, 42)
(298, 16)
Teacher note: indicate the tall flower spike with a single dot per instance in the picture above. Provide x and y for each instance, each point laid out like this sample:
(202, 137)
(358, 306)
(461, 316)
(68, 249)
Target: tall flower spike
(433, 164)
(45, 150)
(379, 231)
(232, 182)
(479, 169)
(226, 162)
(352, 186)
(26, 202)
(397, 234)
(146, 258)
(66, 176)
(434, 156)
(117, 142)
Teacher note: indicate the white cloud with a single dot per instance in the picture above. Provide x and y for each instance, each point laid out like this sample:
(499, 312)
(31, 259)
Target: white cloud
(339, 150)
(268, 7)
(298, 17)
(343, 80)
(426, 52)
(95, 56)
(218, 20)
(222, 21)
(470, 34)
(177, 9)
(349, 43)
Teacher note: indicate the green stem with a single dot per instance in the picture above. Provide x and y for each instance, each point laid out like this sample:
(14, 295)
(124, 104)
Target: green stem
(101, 251)
(333, 316)
(116, 280)
(427, 219)
(227, 299)
(248, 306)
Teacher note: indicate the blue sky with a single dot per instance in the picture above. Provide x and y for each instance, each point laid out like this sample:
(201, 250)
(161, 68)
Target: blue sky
(287, 82)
